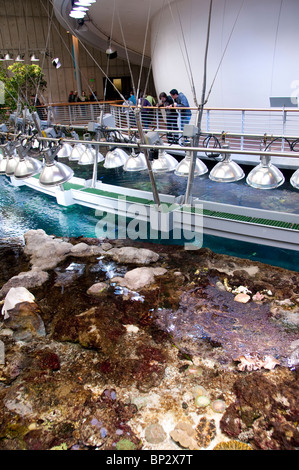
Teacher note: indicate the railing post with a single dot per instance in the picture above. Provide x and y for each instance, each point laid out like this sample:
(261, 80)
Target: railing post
(284, 120)
(242, 128)
(70, 113)
(208, 120)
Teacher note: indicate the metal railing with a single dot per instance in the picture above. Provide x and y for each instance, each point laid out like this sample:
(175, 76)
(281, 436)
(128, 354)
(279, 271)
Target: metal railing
(245, 128)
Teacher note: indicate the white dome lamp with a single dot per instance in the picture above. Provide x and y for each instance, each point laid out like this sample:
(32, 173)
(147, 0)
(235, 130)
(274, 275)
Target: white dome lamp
(226, 171)
(164, 163)
(89, 154)
(183, 168)
(27, 166)
(54, 173)
(115, 158)
(77, 151)
(295, 179)
(136, 162)
(87, 157)
(13, 158)
(65, 151)
(265, 175)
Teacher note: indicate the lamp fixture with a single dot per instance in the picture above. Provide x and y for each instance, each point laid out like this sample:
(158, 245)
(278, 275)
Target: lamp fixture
(226, 171)
(183, 168)
(111, 53)
(136, 162)
(65, 151)
(84, 2)
(115, 158)
(33, 58)
(265, 175)
(164, 162)
(295, 179)
(77, 151)
(54, 173)
(20, 58)
(2, 57)
(56, 62)
(8, 56)
(27, 166)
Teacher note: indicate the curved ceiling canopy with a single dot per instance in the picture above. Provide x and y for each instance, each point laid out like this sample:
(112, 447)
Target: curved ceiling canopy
(121, 21)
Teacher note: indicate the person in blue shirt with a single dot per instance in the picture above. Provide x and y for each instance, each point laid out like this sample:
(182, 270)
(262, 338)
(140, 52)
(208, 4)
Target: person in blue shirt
(180, 101)
(132, 98)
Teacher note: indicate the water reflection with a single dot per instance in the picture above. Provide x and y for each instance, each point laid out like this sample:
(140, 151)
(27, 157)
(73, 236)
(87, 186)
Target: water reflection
(22, 209)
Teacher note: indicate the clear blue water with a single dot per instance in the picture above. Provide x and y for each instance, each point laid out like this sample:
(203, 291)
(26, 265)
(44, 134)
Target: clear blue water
(22, 209)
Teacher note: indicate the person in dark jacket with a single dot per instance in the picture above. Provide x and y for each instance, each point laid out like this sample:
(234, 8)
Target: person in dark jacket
(180, 101)
(166, 102)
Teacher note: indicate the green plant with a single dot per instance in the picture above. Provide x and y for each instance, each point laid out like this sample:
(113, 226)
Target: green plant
(21, 82)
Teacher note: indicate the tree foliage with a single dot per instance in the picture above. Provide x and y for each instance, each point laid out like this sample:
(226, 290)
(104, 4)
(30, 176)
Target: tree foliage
(21, 82)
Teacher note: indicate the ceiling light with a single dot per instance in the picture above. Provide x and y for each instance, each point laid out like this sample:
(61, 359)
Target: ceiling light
(80, 8)
(77, 14)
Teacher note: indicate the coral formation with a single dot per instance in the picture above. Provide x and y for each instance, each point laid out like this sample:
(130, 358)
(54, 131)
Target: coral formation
(232, 445)
(254, 362)
(184, 435)
(218, 406)
(205, 432)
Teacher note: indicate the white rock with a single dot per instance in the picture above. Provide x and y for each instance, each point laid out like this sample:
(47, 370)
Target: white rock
(139, 277)
(131, 328)
(242, 298)
(129, 254)
(15, 296)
